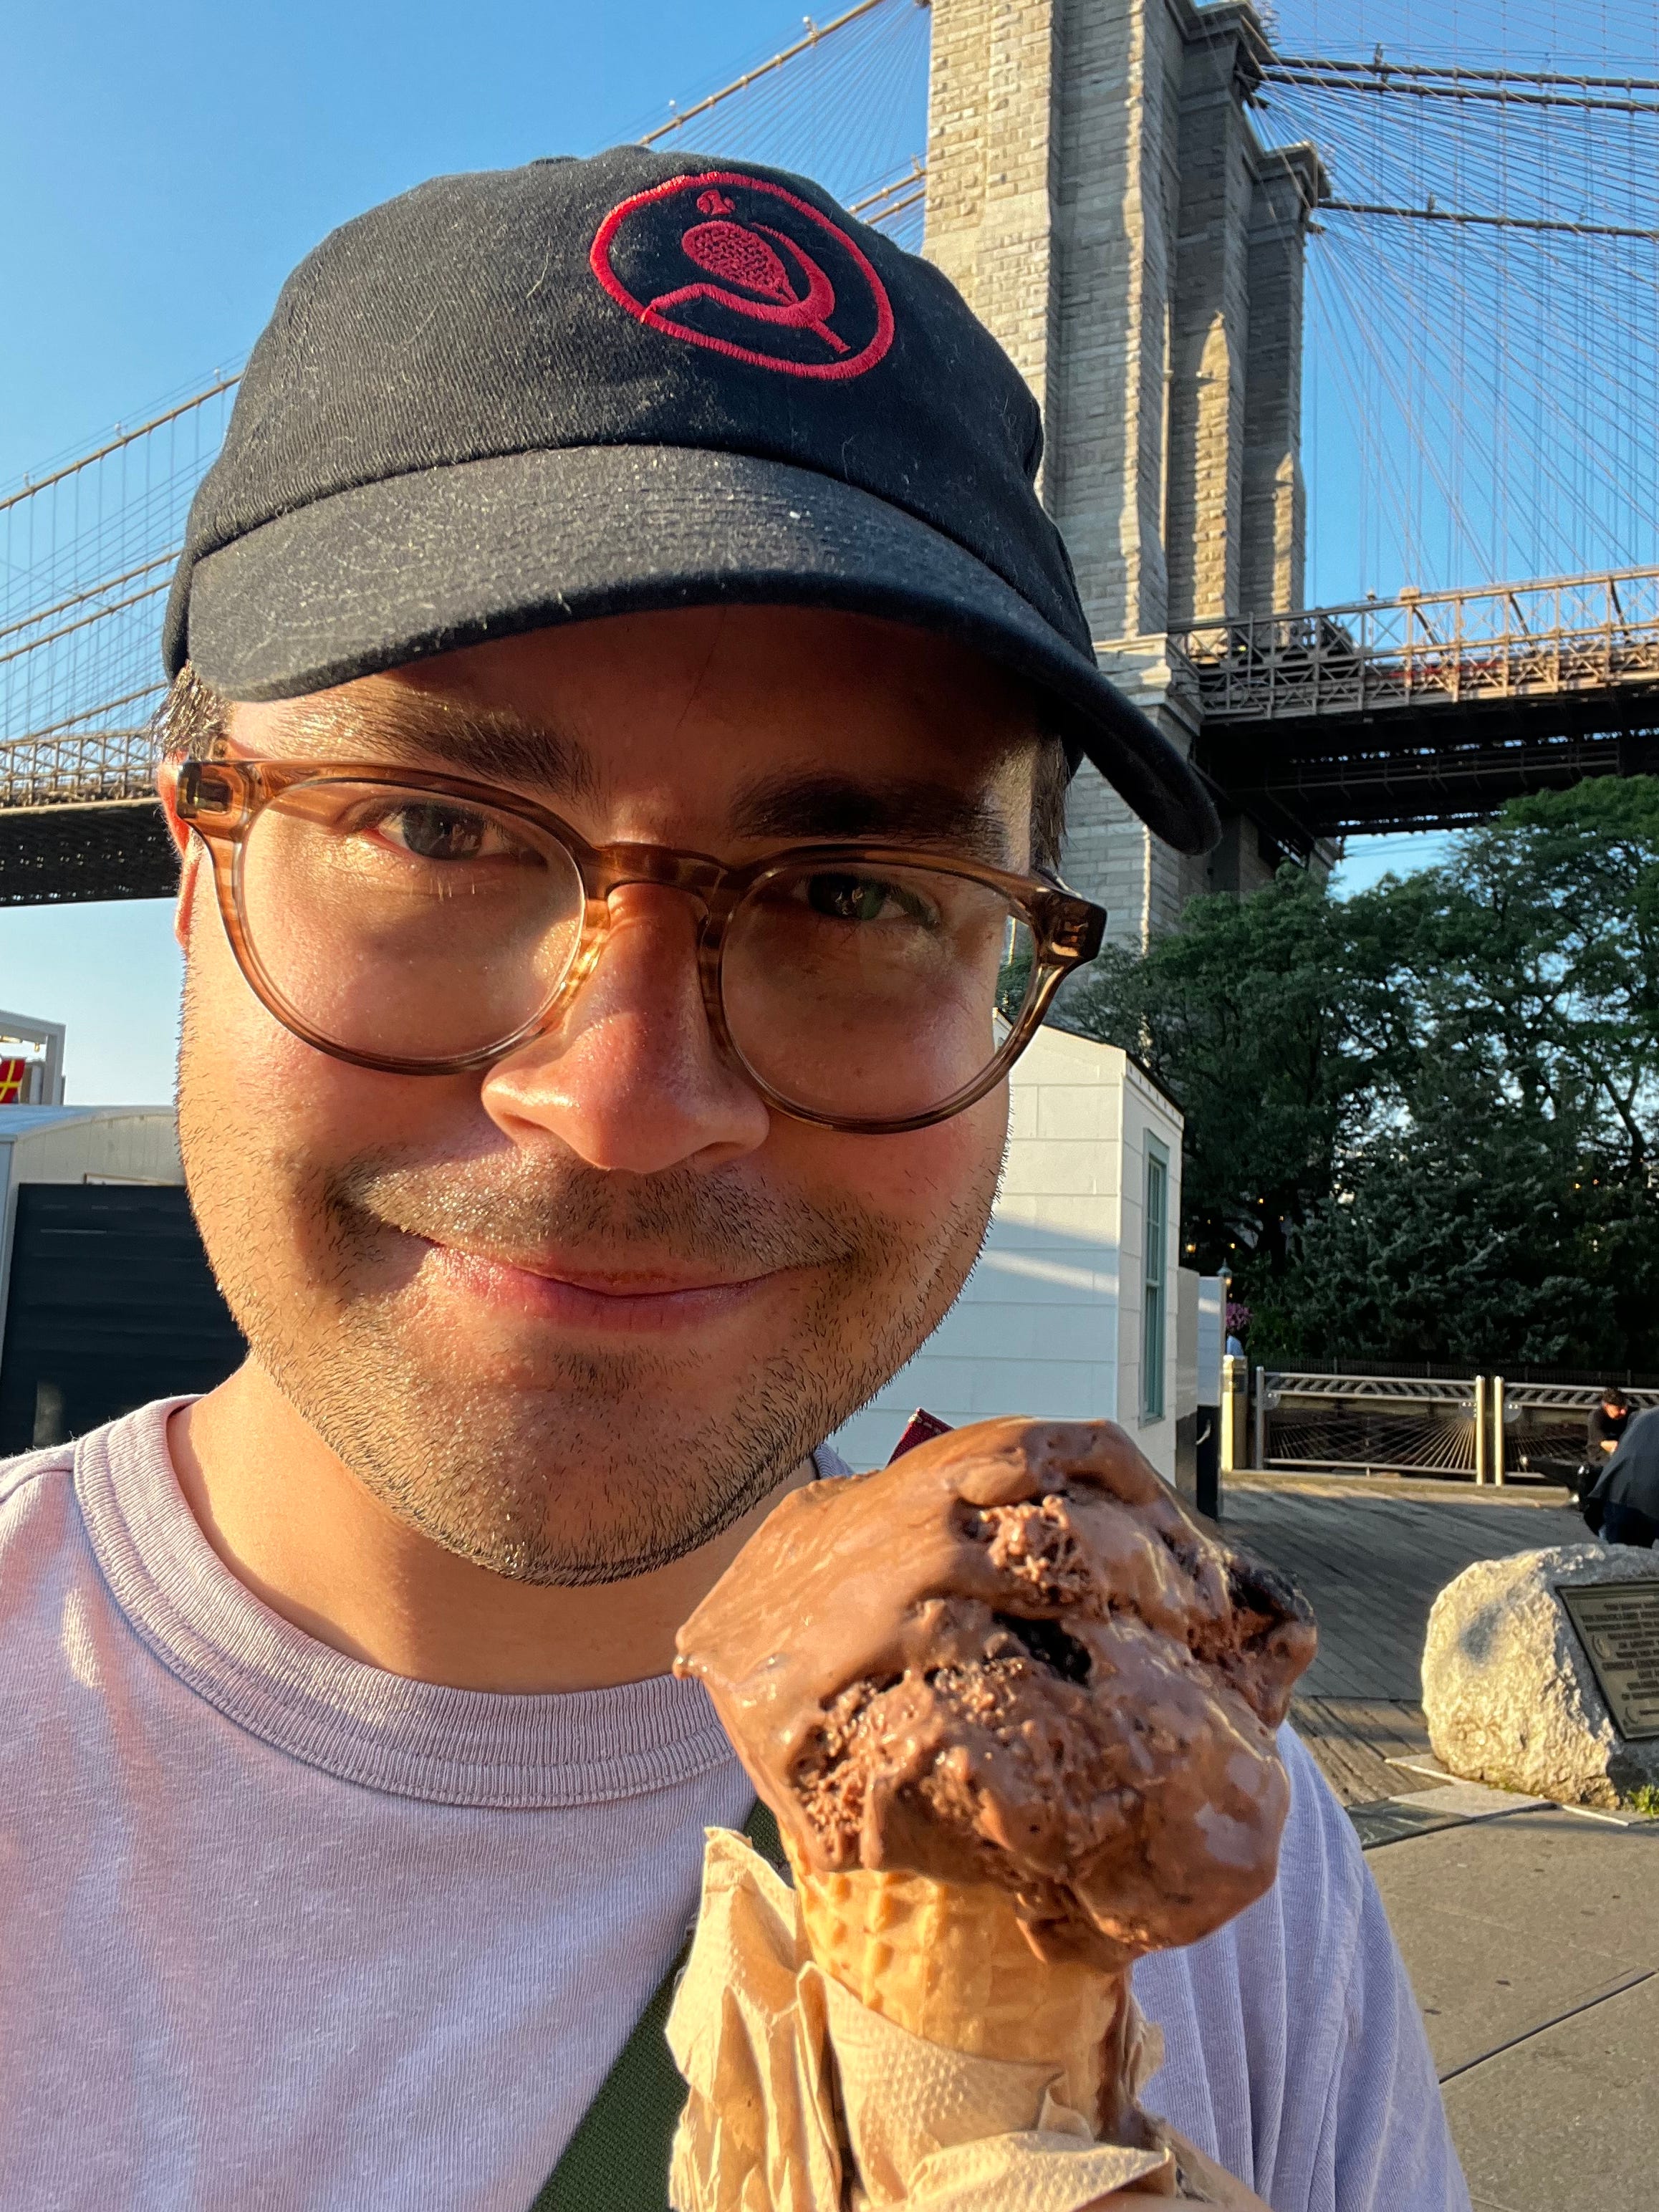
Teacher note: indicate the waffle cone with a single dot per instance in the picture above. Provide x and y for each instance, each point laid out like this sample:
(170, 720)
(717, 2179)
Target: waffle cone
(951, 1963)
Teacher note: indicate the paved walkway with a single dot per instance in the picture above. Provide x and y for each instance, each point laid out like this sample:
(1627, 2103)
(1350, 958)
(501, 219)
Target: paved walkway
(1373, 1556)
(1532, 1936)
(1532, 1943)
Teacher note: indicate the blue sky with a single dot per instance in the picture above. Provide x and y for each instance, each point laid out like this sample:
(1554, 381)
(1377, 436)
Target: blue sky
(163, 166)
(161, 169)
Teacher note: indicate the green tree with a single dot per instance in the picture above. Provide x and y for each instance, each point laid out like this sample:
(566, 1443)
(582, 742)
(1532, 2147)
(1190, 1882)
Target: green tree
(1272, 1022)
(1464, 1234)
(1540, 945)
(1421, 1123)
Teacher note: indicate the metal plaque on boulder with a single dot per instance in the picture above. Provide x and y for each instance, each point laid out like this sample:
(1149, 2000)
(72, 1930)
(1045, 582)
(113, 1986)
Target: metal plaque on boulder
(1617, 1625)
(1540, 1673)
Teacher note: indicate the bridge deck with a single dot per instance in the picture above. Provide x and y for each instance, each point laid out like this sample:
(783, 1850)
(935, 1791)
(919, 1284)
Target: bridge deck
(1427, 712)
(1430, 710)
(1307, 780)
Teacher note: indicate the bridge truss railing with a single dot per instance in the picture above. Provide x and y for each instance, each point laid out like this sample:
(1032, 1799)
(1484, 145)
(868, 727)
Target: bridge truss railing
(71, 767)
(1487, 645)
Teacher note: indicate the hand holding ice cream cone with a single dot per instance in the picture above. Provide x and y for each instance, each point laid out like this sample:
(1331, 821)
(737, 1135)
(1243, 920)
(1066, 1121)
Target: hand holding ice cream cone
(1013, 1710)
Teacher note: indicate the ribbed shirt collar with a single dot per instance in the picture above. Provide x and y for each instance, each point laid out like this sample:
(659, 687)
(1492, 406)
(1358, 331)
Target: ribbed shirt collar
(407, 1739)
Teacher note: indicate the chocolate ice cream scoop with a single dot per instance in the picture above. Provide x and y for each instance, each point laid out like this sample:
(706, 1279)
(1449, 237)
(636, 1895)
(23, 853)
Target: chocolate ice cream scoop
(1012, 1658)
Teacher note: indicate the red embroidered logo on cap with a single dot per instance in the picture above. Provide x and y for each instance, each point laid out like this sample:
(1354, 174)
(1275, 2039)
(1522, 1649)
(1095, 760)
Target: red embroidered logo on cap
(763, 277)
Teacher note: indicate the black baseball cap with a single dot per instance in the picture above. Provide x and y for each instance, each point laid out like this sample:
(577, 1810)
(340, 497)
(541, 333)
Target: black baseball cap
(590, 387)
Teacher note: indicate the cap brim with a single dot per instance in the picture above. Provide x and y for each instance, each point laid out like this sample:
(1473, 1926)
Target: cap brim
(391, 571)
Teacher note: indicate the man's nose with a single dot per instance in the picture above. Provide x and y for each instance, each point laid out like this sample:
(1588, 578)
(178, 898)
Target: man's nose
(631, 1078)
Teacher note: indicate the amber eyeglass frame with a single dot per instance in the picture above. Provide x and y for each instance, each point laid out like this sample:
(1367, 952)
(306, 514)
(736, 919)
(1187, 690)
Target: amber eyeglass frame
(221, 800)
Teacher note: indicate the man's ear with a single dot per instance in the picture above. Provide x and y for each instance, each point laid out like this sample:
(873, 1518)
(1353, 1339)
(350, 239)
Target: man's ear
(191, 849)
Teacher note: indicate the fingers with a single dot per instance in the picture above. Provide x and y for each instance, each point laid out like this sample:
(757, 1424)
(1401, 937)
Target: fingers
(1207, 2182)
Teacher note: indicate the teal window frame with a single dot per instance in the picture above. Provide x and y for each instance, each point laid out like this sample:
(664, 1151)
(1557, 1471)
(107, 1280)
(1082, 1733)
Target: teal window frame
(1154, 1280)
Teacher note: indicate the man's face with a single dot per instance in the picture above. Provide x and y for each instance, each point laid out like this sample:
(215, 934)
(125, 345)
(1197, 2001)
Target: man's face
(573, 1317)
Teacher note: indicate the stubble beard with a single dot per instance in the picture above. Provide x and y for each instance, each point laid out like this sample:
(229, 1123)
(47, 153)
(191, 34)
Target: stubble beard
(598, 1469)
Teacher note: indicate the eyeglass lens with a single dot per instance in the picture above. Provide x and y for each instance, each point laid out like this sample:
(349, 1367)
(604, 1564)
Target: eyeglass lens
(411, 926)
(405, 925)
(872, 990)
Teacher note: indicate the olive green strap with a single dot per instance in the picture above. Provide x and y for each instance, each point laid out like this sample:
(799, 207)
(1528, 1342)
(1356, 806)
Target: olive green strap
(617, 2159)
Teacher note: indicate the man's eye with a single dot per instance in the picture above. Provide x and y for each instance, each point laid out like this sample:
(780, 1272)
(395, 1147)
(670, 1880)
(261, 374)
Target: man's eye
(862, 898)
(440, 833)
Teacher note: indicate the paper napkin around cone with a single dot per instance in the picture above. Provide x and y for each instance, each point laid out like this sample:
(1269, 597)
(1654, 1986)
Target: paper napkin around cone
(788, 2074)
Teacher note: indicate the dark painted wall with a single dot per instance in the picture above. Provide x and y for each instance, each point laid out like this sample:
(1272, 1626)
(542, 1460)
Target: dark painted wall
(111, 1303)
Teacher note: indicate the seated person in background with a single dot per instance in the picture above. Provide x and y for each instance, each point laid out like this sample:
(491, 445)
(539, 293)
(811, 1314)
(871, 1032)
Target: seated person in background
(1607, 1424)
(1604, 1432)
(1627, 1491)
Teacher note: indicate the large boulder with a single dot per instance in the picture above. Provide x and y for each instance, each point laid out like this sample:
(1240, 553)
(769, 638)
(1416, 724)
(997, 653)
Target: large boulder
(1509, 1694)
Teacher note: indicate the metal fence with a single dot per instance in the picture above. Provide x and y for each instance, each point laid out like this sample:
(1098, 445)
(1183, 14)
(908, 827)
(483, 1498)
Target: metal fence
(1478, 1427)
(1360, 1423)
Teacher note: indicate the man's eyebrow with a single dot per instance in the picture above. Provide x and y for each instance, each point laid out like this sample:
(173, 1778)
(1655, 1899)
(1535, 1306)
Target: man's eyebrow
(492, 744)
(896, 811)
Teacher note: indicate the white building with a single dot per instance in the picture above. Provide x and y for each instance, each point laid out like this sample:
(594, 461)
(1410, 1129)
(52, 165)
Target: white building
(1072, 1310)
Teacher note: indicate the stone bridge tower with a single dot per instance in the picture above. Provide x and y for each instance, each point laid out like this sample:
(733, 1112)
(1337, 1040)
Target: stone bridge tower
(1095, 191)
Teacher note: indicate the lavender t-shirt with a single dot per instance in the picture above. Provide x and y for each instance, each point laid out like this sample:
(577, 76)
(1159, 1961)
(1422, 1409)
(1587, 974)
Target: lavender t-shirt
(281, 1931)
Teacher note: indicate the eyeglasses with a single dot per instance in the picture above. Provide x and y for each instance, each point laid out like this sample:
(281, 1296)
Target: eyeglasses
(425, 925)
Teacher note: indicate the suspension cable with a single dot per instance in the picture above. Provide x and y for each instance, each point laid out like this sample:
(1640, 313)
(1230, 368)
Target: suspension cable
(1432, 213)
(1423, 83)
(815, 36)
(1379, 65)
(114, 445)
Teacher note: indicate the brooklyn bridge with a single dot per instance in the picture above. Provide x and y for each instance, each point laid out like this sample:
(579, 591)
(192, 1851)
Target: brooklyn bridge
(1386, 316)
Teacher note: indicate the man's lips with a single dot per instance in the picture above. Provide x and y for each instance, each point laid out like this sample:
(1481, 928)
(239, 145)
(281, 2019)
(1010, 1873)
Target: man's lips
(567, 1293)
